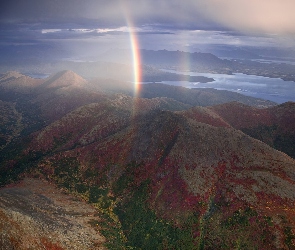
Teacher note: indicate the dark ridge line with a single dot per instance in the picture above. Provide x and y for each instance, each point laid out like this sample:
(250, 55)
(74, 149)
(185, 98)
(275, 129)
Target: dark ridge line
(168, 149)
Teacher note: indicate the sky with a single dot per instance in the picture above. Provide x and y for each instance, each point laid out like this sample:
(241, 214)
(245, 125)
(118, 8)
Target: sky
(87, 28)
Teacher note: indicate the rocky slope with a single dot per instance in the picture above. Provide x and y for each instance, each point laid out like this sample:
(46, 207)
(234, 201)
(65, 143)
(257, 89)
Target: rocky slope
(35, 214)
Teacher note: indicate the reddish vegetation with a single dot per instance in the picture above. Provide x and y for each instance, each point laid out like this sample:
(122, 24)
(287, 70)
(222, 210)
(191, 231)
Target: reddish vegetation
(242, 116)
(49, 245)
(205, 115)
(196, 161)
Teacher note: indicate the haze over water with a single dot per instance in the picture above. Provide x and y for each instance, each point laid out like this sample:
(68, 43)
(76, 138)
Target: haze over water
(273, 89)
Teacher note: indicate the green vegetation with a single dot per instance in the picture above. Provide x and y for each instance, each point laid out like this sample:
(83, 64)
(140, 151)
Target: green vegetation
(127, 220)
(68, 173)
(239, 218)
(13, 164)
(263, 133)
(286, 144)
(242, 229)
(290, 238)
(272, 136)
(142, 227)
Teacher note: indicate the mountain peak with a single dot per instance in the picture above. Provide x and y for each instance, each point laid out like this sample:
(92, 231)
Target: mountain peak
(10, 75)
(64, 78)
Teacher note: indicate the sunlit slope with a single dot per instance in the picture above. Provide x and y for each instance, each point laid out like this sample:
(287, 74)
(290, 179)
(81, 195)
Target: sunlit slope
(189, 168)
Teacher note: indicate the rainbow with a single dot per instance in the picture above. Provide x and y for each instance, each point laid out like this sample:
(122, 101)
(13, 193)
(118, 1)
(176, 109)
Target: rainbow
(134, 48)
(135, 59)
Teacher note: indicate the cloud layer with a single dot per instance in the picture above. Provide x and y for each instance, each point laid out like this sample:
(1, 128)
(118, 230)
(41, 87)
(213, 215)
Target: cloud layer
(90, 27)
(272, 16)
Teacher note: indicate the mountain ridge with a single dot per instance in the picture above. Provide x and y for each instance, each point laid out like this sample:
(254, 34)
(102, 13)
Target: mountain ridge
(64, 78)
(187, 175)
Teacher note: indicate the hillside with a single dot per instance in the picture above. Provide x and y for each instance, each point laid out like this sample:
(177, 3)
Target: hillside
(199, 96)
(35, 214)
(189, 171)
(158, 171)
(274, 125)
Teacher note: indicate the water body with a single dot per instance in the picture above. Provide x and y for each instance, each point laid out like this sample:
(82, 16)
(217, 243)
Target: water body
(273, 61)
(38, 76)
(273, 89)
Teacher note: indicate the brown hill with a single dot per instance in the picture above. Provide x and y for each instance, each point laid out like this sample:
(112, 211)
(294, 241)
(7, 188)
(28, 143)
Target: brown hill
(14, 82)
(205, 115)
(41, 101)
(193, 169)
(274, 125)
(10, 123)
(93, 122)
(64, 79)
(159, 179)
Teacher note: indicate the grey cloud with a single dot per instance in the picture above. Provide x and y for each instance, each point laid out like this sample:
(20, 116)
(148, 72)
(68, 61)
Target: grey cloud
(271, 16)
(233, 20)
(105, 12)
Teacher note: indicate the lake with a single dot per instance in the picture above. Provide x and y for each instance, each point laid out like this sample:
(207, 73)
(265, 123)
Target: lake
(273, 89)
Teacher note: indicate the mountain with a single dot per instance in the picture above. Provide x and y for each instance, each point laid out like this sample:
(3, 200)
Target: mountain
(117, 64)
(209, 63)
(10, 75)
(44, 100)
(173, 169)
(274, 125)
(96, 121)
(165, 58)
(191, 175)
(172, 58)
(199, 96)
(38, 215)
(234, 52)
(14, 83)
(64, 79)
(10, 123)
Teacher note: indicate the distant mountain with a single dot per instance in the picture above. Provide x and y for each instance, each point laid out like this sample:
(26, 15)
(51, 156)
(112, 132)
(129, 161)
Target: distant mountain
(64, 79)
(39, 101)
(14, 83)
(239, 61)
(42, 101)
(161, 170)
(198, 96)
(10, 75)
(165, 58)
(233, 52)
(118, 64)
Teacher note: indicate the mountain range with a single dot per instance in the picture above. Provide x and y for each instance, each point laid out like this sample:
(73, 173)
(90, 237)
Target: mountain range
(210, 63)
(115, 64)
(169, 168)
